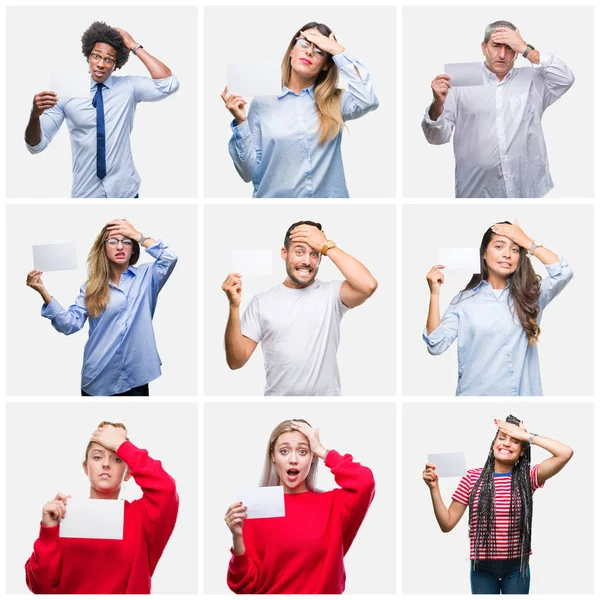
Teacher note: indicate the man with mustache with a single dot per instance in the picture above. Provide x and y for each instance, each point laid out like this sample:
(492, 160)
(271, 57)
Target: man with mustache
(499, 145)
(298, 321)
(100, 125)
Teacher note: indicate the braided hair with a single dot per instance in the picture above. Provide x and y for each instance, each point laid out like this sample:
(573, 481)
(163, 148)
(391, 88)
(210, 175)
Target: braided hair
(482, 520)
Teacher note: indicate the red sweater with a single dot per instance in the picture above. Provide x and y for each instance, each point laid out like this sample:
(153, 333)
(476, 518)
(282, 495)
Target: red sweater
(303, 552)
(90, 566)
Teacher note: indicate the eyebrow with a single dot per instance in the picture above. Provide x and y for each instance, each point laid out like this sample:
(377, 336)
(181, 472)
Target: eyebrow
(110, 54)
(288, 444)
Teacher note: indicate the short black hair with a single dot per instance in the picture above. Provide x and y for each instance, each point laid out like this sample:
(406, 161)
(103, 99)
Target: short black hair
(100, 32)
(286, 240)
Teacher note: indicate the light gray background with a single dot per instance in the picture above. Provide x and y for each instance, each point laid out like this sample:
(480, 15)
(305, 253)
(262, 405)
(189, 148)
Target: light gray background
(566, 348)
(163, 141)
(367, 351)
(563, 551)
(235, 441)
(34, 346)
(262, 34)
(45, 446)
(446, 34)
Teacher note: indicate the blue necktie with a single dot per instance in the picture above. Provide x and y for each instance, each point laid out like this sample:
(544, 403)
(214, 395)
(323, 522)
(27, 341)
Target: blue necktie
(98, 104)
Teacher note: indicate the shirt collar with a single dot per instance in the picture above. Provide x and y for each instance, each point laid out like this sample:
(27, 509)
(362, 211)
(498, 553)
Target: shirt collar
(484, 281)
(107, 83)
(493, 77)
(131, 269)
(285, 91)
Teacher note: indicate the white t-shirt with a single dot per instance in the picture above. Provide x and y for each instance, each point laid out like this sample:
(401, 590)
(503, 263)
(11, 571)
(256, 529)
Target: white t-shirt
(300, 333)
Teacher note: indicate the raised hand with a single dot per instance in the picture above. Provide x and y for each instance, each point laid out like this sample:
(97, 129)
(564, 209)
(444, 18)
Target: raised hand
(440, 87)
(312, 435)
(123, 227)
(234, 518)
(109, 436)
(509, 37)
(514, 233)
(55, 510)
(327, 44)
(43, 101)
(435, 278)
(127, 39)
(232, 286)
(235, 104)
(430, 477)
(309, 234)
(517, 432)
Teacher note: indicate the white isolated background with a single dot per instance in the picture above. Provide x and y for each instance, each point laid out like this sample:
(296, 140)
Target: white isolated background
(45, 448)
(563, 513)
(163, 141)
(366, 354)
(566, 347)
(35, 347)
(235, 441)
(435, 35)
(261, 34)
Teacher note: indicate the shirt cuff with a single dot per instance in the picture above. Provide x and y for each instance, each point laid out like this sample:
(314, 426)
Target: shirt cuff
(238, 563)
(37, 148)
(556, 268)
(156, 249)
(440, 120)
(546, 59)
(49, 534)
(240, 131)
(435, 337)
(51, 310)
(343, 60)
(333, 458)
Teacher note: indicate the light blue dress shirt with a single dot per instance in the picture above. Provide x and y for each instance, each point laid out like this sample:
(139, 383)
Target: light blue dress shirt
(121, 96)
(277, 147)
(494, 356)
(120, 353)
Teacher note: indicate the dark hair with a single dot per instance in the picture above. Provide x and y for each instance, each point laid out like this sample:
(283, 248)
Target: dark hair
(286, 240)
(102, 424)
(482, 522)
(524, 288)
(100, 32)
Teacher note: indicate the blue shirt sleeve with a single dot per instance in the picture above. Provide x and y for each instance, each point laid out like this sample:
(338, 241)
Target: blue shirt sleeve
(360, 97)
(50, 123)
(146, 89)
(246, 143)
(559, 274)
(67, 321)
(165, 261)
(440, 339)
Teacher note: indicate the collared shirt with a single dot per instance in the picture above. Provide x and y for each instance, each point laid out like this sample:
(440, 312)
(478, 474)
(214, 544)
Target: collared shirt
(277, 147)
(494, 356)
(121, 96)
(120, 353)
(499, 145)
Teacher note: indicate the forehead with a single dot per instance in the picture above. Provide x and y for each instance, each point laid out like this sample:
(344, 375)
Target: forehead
(300, 246)
(503, 436)
(95, 447)
(311, 30)
(502, 239)
(103, 48)
(292, 438)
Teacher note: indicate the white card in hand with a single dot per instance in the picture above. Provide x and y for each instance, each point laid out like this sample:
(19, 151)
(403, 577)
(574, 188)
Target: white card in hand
(251, 262)
(464, 260)
(254, 80)
(71, 85)
(448, 464)
(98, 519)
(464, 74)
(55, 257)
(262, 502)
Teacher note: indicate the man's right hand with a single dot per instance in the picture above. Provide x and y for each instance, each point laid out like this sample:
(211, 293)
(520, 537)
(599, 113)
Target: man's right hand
(232, 287)
(43, 101)
(440, 87)
(55, 510)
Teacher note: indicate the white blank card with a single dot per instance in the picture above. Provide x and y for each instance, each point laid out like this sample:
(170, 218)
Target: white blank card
(97, 519)
(55, 257)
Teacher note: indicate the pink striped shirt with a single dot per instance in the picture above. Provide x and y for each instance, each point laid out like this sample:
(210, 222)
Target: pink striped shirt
(502, 496)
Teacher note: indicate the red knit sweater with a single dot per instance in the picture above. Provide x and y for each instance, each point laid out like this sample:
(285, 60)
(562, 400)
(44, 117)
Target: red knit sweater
(303, 552)
(89, 566)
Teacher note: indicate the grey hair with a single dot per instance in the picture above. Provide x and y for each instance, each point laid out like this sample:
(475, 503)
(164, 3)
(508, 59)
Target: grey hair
(492, 27)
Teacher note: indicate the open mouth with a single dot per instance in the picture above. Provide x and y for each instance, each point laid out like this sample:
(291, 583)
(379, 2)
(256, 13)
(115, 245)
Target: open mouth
(292, 474)
(306, 270)
(504, 452)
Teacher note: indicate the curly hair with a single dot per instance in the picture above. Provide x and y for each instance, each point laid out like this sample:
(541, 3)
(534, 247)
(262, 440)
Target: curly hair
(100, 32)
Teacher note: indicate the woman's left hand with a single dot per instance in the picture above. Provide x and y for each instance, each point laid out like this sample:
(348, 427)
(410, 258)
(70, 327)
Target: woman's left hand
(125, 228)
(327, 44)
(313, 438)
(517, 432)
(514, 233)
(109, 436)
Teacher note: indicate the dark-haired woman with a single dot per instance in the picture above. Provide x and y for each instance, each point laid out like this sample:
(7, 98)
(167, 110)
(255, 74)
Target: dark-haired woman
(496, 318)
(289, 146)
(100, 124)
(499, 496)
(61, 565)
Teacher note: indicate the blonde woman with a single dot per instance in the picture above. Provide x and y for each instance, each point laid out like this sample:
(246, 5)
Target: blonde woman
(96, 566)
(303, 552)
(289, 145)
(120, 356)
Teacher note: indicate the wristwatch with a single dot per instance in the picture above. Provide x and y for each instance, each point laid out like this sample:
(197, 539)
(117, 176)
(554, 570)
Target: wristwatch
(143, 238)
(138, 46)
(528, 50)
(327, 247)
(533, 246)
(531, 436)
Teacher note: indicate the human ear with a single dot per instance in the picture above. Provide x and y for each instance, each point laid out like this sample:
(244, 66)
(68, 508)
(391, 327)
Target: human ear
(127, 475)
(85, 468)
(483, 48)
(283, 254)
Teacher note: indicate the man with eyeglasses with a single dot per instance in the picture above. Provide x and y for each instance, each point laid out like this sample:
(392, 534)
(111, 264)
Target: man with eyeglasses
(100, 126)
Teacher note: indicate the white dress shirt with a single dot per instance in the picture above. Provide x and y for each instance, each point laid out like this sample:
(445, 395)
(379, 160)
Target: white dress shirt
(499, 145)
